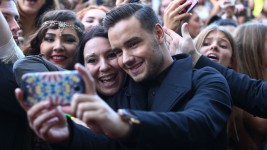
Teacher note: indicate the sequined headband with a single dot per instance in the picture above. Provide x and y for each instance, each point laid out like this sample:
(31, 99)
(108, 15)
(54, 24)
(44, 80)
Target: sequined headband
(61, 25)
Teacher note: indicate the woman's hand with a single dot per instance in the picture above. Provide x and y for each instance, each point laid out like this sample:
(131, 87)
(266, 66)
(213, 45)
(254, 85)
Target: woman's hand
(172, 15)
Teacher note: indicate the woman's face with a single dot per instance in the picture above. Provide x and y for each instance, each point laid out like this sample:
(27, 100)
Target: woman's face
(194, 25)
(31, 6)
(103, 65)
(217, 47)
(92, 18)
(60, 47)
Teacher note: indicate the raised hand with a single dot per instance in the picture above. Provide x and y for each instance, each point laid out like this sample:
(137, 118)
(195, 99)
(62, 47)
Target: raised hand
(181, 44)
(172, 15)
(47, 121)
(92, 110)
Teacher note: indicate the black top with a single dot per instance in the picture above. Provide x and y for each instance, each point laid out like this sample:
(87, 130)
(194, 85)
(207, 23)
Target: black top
(13, 126)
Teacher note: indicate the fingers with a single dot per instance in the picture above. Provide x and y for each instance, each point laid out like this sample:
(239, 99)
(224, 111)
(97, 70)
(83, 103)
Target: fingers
(172, 40)
(170, 32)
(37, 109)
(168, 36)
(81, 99)
(174, 4)
(175, 13)
(43, 118)
(92, 120)
(44, 131)
(177, 7)
(183, 8)
(185, 32)
(182, 16)
(171, 35)
(60, 113)
(86, 106)
(67, 109)
(58, 119)
(90, 109)
(88, 79)
(120, 2)
(52, 126)
(19, 96)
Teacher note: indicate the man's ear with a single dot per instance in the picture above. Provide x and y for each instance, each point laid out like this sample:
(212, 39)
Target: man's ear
(159, 33)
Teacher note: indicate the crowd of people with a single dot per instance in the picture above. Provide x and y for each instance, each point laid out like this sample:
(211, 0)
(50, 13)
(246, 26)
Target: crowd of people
(155, 76)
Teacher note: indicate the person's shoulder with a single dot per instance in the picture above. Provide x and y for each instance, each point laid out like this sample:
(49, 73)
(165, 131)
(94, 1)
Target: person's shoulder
(22, 62)
(207, 72)
(208, 69)
(6, 66)
(181, 56)
(27, 59)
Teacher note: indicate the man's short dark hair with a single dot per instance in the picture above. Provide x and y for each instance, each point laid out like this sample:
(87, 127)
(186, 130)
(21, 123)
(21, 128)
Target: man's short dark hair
(146, 16)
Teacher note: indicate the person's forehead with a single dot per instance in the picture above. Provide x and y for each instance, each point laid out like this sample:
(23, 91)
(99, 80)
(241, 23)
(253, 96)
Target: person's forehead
(9, 7)
(95, 13)
(128, 24)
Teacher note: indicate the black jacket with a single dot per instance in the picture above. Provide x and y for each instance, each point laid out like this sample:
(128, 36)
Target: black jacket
(247, 93)
(13, 126)
(189, 111)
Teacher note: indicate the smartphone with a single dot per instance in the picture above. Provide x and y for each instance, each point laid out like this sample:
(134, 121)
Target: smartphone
(190, 7)
(194, 3)
(56, 86)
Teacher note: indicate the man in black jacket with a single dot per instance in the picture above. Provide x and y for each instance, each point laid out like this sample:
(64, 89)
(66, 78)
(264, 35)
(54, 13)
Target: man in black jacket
(186, 108)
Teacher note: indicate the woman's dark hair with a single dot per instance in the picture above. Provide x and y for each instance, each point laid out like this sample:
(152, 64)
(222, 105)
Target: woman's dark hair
(49, 5)
(96, 31)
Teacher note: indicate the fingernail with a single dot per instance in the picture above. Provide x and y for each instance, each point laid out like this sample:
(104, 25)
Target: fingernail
(59, 108)
(46, 103)
(77, 65)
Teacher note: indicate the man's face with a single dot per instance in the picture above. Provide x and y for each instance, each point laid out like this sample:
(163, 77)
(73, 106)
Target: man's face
(138, 51)
(10, 12)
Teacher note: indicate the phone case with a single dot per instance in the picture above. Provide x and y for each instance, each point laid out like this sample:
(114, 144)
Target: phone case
(190, 7)
(194, 3)
(57, 87)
